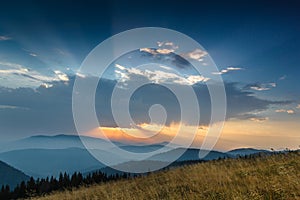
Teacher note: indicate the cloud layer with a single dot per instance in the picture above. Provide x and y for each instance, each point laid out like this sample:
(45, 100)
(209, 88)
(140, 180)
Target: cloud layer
(260, 86)
(228, 69)
(4, 38)
(14, 75)
(289, 111)
(49, 109)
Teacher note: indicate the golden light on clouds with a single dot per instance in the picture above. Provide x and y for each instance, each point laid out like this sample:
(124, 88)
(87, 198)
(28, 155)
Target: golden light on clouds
(235, 134)
(265, 135)
(146, 133)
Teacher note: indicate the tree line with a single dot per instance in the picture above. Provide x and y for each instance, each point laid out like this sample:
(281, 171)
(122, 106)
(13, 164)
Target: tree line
(43, 186)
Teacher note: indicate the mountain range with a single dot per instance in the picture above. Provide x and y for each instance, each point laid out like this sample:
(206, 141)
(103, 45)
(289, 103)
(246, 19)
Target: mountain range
(42, 156)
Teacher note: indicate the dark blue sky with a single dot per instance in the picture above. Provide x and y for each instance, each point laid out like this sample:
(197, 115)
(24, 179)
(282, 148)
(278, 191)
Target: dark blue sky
(51, 39)
(255, 34)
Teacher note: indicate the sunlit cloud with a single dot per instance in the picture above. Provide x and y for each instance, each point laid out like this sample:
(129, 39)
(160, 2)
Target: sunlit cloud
(163, 48)
(228, 69)
(169, 45)
(298, 106)
(234, 134)
(260, 86)
(158, 133)
(164, 51)
(15, 75)
(157, 76)
(62, 76)
(166, 47)
(80, 75)
(46, 85)
(259, 119)
(148, 50)
(289, 111)
(157, 51)
(196, 54)
(197, 78)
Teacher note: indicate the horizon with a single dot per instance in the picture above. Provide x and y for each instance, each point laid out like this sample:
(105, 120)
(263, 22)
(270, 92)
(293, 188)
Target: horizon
(128, 143)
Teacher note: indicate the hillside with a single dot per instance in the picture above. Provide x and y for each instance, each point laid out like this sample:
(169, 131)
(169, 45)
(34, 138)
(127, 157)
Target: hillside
(11, 176)
(47, 162)
(266, 177)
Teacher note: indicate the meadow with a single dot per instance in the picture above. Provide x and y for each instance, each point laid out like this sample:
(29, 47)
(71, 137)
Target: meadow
(274, 176)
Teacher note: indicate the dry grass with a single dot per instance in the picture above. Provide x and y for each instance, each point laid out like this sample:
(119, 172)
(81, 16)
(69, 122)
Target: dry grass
(272, 177)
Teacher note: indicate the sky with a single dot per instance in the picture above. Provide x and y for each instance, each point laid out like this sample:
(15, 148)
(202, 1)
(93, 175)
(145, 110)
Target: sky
(255, 45)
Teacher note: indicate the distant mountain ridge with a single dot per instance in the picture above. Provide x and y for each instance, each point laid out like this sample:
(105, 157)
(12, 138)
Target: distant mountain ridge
(60, 141)
(42, 156)
(246, 151)
(187, 154)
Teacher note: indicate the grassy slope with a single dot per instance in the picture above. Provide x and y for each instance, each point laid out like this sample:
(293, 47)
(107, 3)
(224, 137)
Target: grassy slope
(272, 177)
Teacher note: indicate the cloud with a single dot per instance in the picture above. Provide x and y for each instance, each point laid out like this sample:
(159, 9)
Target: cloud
(166, 52)
(228, 69)
(34, 111)
(298, 106)
(259, 119)
(169, 45)
(196, 54)
(290, 111)
(282, 77)
(260, 86)
(166, 48)
(163, 48)
(158, 76)
(4, 38)
(149, 50)
(197, 78)
(10, 107)
(15, 75)
(30, 53)
(54, 104)
(240, 103)
(33, 54)
(157, 51)
(46, 85)
(163, 56)
(80, 75)
(61, 76)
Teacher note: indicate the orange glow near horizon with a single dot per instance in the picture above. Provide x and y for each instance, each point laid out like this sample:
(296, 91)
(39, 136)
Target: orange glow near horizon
(235, 134)
(148, 134)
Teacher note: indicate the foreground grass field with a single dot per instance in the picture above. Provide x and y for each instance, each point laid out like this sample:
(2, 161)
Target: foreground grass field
(271, 177)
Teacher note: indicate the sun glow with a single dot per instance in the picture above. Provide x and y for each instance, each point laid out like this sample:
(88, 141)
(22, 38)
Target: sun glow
(157, 133)
(265, 135)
